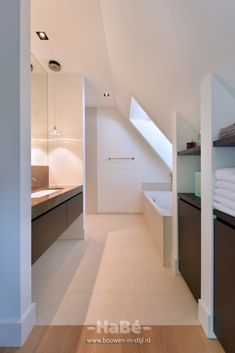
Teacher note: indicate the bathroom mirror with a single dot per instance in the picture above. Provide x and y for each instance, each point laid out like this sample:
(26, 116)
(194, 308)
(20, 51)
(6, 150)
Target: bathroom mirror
(39, 114)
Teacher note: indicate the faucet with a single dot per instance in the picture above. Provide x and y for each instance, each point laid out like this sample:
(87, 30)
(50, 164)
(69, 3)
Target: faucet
(34, 180)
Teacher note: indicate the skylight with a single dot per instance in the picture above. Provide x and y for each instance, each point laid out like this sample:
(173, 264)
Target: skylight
(151, 133)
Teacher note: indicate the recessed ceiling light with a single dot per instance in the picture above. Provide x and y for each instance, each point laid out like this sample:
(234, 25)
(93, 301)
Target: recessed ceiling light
(106, 94)
(42, 35)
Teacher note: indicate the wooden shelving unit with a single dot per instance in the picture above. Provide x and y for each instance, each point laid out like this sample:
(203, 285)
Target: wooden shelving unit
(225, 142)
(194, 151)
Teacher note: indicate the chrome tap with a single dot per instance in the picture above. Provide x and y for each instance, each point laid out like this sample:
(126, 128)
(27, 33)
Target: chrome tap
(34, 180)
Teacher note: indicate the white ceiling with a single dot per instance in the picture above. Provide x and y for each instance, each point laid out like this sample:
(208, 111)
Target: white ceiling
(76, 40)
(158, 50)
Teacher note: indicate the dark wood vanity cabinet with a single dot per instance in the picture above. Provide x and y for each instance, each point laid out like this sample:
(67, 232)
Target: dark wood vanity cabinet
(46, 229)
(74, 208)
(50, 225)
(189, 226)
(224, 280)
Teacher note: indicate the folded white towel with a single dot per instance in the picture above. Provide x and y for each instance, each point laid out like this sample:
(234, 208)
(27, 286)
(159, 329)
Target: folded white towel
(224, 209)
(227, 174)
(225, 193)
(225, 185)
(225, 202)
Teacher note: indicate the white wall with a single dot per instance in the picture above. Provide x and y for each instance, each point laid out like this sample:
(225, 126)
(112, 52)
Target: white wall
(39, 123)
(65, 102)
(17, 313)
(91, 160)
(119, 181)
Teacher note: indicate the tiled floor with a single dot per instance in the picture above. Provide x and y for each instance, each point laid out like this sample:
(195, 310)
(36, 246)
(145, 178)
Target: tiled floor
(113, 275)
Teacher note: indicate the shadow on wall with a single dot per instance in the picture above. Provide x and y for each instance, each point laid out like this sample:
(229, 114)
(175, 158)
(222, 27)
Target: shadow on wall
(66, 161)
(39, 152)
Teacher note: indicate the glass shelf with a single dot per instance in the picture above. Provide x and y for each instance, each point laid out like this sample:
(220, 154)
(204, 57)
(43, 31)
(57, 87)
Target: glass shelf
(194, 151)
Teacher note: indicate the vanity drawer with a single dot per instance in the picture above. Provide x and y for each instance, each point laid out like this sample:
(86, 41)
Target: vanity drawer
(46, 229)
(50, 225)
(74, 208)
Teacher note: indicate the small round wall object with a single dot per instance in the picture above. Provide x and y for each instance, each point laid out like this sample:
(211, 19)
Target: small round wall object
(54, 65)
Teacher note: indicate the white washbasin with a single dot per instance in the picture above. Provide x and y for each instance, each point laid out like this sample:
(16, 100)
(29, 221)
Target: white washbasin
(42, 193)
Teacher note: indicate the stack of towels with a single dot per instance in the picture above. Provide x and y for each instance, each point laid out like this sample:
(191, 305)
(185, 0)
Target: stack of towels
(224, 192)
(227, 131)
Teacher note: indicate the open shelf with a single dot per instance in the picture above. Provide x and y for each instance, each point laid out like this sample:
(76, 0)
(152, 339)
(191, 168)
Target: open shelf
(225, 142)
(194, 151)
(190, 198)
(224, 217)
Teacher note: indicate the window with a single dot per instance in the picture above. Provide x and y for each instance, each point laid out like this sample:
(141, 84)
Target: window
(151, 133)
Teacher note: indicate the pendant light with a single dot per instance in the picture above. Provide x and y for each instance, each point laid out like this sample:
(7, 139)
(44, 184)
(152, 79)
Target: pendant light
(56, 67)
(55, 131)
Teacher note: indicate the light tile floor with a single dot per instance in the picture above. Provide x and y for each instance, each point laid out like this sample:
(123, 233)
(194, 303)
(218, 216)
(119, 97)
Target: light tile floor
(114, 274)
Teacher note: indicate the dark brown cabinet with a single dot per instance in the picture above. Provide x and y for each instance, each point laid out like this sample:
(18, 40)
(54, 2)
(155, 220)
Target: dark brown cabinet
(189, 222)
(46, 229)
(74, 208)
(49, 226)
(224, 283)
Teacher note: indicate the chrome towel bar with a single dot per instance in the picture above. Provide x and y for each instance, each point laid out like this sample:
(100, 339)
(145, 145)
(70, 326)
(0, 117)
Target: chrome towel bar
(131, 158)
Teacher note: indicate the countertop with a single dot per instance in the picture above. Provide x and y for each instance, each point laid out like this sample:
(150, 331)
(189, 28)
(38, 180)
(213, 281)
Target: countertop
(43, 204)
(191, 199)
(230, 220)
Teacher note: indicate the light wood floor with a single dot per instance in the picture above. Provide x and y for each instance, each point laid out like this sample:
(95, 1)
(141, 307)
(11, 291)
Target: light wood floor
(72, 339)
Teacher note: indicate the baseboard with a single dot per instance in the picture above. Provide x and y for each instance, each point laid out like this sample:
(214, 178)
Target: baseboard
(206, 320)
(15, 333)
(174, 264)
(78, 236)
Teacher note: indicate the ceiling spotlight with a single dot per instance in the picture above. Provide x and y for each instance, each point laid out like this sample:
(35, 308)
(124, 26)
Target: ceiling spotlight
(42, 35)
(54, 65)
(106, 94)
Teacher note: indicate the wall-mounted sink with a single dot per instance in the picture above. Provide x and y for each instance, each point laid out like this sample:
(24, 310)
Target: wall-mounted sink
(41, 193)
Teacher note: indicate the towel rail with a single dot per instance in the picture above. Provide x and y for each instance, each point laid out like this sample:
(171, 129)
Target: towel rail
(130, 158)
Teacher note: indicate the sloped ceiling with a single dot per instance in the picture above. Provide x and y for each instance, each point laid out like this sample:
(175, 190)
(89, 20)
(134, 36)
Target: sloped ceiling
(156, 50)
(160, 50)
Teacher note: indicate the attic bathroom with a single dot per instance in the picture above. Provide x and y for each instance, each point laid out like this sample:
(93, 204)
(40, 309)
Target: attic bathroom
(117, 176)
(81, 234)
(97, 204)
(72, 267)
